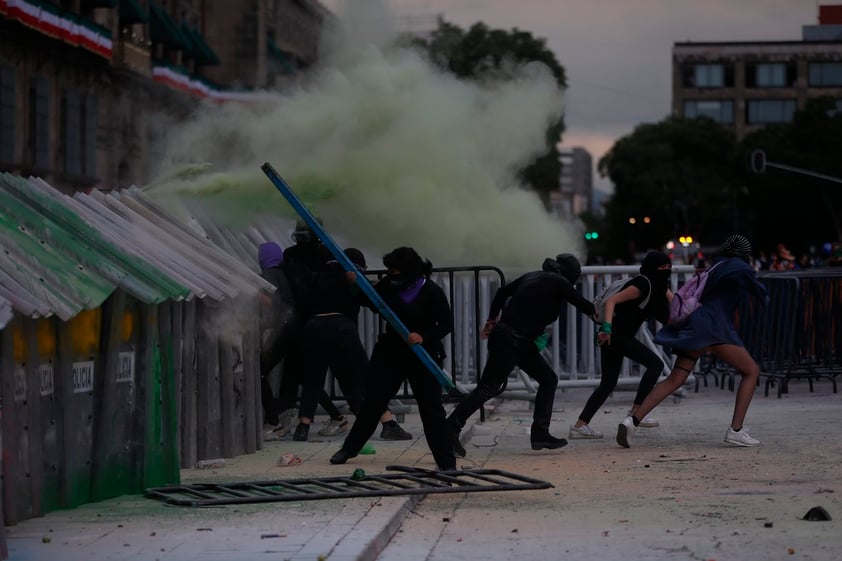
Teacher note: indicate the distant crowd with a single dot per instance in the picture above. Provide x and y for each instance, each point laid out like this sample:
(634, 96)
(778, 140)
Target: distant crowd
(782, 259)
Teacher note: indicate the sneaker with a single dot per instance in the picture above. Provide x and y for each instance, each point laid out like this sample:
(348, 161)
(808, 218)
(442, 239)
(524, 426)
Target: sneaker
(625, 432)
(393, 431)
(647, 422)
(547, 441)
(302, 431)
(285, 420)
(342, 456)
(334, 427)
(269, 433)
(458, 449)
(740, 438)
(583, 432)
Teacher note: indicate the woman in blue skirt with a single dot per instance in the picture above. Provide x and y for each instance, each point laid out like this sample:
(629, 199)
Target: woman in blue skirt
(711, 328)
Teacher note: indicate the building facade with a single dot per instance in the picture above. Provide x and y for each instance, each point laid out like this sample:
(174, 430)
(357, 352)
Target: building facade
(88, 86)
(747, 85)
(576, 183)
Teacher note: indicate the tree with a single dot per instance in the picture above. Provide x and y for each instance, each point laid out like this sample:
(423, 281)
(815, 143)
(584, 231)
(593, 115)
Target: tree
(793, 208)
(484, 55)
(684, 175)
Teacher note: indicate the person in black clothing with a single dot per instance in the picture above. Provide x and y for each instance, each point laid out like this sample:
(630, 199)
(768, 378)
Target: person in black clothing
(423, 308)
(617, 338)
(331, 340)
(291, 272)
(528, 304)
(279, 322)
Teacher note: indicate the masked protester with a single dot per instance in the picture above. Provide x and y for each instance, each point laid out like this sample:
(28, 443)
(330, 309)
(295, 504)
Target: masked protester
(711, 327)
(524, 308)
(643, 297)
(422, 307)
(331, 340)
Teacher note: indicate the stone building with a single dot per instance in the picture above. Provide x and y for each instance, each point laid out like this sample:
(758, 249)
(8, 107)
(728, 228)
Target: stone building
(86, 86)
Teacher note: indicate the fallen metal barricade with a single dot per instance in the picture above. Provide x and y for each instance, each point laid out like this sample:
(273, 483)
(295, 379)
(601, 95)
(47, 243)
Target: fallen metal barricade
(411, 481)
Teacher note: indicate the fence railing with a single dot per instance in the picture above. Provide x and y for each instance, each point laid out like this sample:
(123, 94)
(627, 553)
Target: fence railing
(571, 350)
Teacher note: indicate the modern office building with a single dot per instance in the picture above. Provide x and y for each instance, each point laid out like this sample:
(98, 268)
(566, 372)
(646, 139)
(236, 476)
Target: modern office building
(576, 183)
(747, 85)
(85, 84)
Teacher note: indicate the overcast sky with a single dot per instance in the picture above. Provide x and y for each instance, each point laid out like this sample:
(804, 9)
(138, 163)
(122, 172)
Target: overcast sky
(617, 52)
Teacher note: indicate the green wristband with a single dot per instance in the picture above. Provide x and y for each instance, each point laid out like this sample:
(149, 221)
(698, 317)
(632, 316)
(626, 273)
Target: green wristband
(605, 328)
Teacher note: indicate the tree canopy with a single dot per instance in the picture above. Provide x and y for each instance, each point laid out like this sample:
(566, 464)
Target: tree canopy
(486, 55)
(673, 178)
(792, 207)
(691, 177)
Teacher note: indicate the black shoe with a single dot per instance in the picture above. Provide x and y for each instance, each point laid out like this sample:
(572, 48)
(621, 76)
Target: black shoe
(341, 456)
(393, 431)
(547, 441)
(301, 432)
(458, 450)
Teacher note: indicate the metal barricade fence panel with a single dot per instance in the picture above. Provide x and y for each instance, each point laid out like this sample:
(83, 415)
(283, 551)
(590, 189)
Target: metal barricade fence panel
(571, 352)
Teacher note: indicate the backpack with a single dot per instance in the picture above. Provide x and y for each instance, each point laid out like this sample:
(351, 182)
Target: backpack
(688, 298)
(611, 290)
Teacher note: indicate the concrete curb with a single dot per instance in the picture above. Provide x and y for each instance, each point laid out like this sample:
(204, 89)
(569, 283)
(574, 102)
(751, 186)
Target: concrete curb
(353, 547)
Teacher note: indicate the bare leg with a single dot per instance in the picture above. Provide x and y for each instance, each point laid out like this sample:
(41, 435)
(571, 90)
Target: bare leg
(680, 371)
(741, 360)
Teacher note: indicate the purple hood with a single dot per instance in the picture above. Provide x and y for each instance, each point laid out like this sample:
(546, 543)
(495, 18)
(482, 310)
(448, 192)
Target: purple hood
(270, 254)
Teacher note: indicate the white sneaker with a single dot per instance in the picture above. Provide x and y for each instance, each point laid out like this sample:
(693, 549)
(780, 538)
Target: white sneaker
(583, 432)
(625, 432)
(269, 434)
(285, 421)
(334, 427)
(740, 438)
(647, 422)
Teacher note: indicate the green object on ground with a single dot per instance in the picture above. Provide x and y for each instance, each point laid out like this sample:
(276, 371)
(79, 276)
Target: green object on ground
(368, 449)
(358, 475)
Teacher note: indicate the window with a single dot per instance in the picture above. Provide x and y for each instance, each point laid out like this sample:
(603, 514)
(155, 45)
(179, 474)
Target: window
(70, 133)
(39, 121)
(78, 134)
(7, 114)
(824, 74)
(771, 75)
(89, 135)
(721, 111)
(709, 76)
(764, 111)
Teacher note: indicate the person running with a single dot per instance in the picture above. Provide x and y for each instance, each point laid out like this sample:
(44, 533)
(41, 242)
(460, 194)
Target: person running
(331, 340)
(642, 297)
(525, 307)
(711, 328)
(422, 307)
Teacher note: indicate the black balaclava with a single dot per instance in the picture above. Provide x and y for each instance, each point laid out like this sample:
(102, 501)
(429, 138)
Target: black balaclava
(567, 266)
(738, 246)
(649, 269)
(408, 262)
(356, 256)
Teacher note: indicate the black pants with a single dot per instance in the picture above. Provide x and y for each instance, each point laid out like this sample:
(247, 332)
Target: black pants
(507, 349)
(332, 342)
(284, 344)
(392, 362)
(612, 355)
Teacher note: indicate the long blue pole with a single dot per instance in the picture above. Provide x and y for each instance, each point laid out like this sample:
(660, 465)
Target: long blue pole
(362, 282)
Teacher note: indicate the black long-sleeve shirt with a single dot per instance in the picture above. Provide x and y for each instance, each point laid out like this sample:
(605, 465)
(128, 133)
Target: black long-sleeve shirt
(429, 314)
(333, 294)
(535, 300)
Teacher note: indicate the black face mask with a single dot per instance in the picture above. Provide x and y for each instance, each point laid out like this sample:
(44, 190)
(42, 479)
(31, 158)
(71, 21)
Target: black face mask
(400, 281)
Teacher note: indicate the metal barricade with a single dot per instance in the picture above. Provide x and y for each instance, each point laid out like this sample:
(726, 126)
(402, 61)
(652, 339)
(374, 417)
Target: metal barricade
(571, 351)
